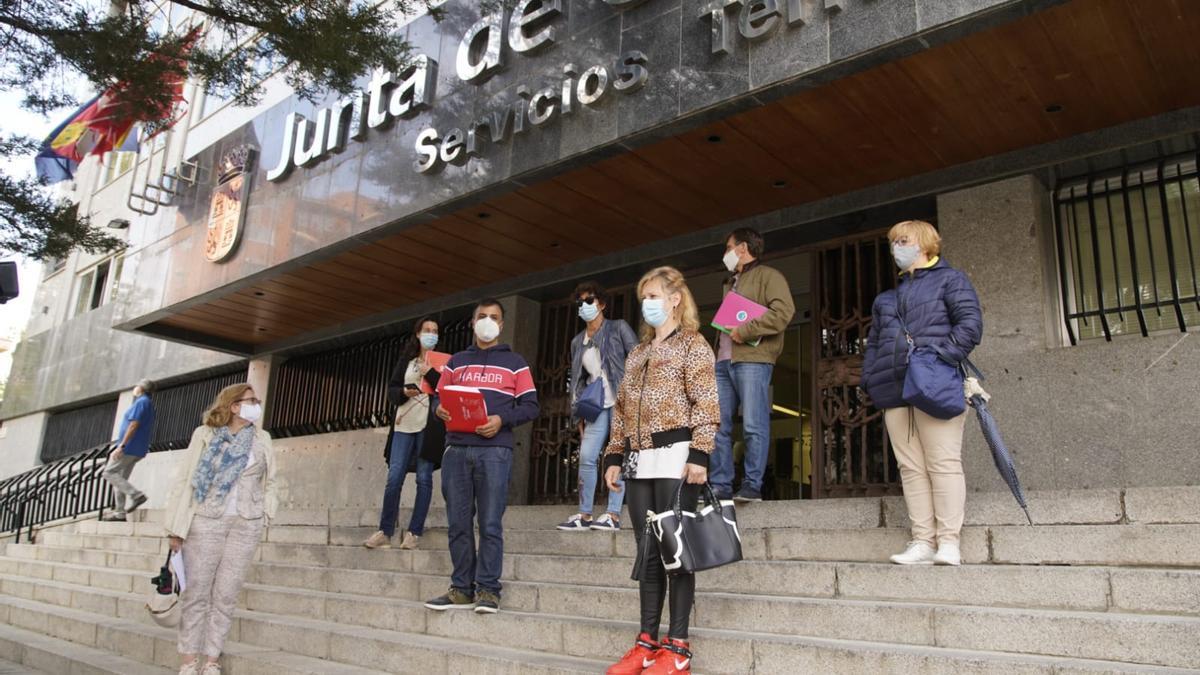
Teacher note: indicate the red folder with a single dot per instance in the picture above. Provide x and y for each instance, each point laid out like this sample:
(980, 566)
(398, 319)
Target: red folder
(437, 361)
(466, 407)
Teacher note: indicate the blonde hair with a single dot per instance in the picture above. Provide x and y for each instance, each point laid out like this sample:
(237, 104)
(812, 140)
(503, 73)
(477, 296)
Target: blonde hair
(672, 282)
(923, 233)
(219, 414)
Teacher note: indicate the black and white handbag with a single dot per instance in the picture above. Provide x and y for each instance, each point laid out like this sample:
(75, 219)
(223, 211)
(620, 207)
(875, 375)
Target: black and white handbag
(695, 541)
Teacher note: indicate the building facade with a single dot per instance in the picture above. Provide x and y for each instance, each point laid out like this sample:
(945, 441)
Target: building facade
(1053, 143)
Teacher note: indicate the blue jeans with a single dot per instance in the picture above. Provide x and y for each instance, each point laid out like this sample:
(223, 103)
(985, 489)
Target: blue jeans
(750, 385)
(595, 437)
(405, 448)
(475, 482)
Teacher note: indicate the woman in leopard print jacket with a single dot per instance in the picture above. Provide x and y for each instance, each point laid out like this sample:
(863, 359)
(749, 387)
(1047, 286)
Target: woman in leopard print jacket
(663, 425)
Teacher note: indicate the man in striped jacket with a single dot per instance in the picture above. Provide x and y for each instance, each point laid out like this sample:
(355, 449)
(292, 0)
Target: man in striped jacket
(477, 466)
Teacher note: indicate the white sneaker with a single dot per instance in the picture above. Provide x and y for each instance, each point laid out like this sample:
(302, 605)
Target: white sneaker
(917, 553)
(947, 554)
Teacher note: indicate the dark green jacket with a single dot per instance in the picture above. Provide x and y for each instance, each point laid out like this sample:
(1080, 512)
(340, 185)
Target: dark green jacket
(768, 287)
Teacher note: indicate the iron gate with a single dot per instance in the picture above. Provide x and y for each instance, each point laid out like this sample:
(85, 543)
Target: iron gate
(554, 464)
(850, 445)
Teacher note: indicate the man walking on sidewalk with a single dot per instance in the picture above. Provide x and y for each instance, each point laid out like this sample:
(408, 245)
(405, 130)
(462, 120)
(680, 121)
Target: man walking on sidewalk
(133, 441)
(745, 360)
(477, 466)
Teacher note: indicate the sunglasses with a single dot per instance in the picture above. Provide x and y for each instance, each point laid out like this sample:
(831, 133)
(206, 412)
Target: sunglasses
(584, 301)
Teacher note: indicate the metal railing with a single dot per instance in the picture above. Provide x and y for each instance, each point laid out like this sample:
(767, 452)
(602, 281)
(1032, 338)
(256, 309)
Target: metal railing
(344, 388)
(66, 488)
(178, 409)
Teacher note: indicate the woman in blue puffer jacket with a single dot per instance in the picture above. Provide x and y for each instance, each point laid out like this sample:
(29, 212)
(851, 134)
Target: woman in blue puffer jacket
(938, 306)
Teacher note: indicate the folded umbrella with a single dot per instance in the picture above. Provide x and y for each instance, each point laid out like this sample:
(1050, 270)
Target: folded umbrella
(991, 433)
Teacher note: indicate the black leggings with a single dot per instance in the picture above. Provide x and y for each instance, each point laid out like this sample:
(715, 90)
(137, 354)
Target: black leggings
(658, 495)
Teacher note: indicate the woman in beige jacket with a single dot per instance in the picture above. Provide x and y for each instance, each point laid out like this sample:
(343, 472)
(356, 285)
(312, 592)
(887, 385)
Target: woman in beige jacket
(215, 517)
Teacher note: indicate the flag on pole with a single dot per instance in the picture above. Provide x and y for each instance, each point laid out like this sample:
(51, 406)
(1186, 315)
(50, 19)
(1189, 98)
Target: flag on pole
(103, 124)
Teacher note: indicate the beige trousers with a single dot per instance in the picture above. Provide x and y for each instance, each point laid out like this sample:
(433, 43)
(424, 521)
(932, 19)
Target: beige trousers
(117, 474)
(929, 452)
(216, 556)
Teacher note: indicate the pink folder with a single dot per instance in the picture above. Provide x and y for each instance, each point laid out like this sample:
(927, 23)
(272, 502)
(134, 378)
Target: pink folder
(736, 310)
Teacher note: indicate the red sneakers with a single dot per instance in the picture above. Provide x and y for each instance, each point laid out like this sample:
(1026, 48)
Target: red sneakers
(674, 658)
(637, 659)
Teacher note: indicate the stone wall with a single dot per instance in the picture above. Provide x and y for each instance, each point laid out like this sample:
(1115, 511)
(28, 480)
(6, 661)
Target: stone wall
(1100, 414)
(20, 443)
(338, 470)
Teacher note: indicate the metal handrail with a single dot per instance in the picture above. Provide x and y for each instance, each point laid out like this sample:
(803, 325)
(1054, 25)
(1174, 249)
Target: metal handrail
(66, 488)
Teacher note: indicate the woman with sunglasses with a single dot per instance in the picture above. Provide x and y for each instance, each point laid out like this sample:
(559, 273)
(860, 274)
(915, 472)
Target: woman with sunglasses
(598, 352)
(215, 516)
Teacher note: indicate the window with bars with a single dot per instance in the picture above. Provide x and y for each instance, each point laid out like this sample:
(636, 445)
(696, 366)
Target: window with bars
(79, 429)
(179, 409)
(1128, 244)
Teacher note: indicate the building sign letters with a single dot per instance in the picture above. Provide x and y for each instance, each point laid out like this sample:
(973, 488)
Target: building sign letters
(529, 29)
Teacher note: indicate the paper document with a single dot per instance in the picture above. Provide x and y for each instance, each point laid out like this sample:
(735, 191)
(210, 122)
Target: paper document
(177, 570)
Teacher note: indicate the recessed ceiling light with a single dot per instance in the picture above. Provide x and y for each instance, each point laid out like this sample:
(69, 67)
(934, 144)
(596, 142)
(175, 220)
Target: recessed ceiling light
(714, 139)
(259, 293)
(555, 244)
(779, 184)
(483, 214)
(1054, 108)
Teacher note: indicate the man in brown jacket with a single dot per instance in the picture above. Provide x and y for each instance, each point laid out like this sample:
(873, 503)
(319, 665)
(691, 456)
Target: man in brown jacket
(745, 360)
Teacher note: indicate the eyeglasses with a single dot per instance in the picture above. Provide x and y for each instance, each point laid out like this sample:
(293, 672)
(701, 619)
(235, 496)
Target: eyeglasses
(248, 400)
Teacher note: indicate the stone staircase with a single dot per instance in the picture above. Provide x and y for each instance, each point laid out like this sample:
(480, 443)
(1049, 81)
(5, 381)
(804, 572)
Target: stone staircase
(1106, 581)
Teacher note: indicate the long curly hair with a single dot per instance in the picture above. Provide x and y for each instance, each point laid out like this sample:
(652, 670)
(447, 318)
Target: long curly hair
(672, 281)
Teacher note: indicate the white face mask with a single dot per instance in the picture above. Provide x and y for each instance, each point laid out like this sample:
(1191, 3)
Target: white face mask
(251, 412)
(731, 259)
(486, 329)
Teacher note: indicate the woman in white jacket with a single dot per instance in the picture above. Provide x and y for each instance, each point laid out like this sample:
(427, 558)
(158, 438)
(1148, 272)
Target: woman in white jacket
(218, 506)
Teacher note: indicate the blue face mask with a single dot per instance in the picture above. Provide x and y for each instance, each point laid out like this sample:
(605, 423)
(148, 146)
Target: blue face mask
(906, 255)
(589, 311)
(428, 340)
(653, 312)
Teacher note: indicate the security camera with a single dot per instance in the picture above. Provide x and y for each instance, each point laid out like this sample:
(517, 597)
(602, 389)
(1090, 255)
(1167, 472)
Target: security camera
(118, 224)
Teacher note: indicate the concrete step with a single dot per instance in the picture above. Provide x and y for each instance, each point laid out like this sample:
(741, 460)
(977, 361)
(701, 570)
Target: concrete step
(1144, 590)
(10, 668)
(290, 645)
(38, 653)
(564, 642)
(1117, 636)
(1160, 505)
(1172, 545)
